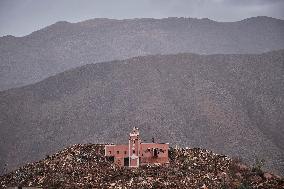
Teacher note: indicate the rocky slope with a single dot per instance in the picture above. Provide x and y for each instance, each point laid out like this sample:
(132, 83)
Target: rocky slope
(84, 166)
(63, 45)
(231, 104)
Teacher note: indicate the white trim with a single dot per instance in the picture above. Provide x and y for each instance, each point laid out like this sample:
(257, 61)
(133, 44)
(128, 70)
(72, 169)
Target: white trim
(138, 163)
(106, 148)
(129, 152)
(134, 134)
(153, 143)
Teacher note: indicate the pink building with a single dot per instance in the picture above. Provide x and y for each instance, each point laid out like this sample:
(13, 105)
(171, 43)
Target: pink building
(136, 153)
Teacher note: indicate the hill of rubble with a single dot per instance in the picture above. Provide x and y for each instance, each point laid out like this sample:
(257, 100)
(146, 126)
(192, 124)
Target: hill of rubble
(84, 166)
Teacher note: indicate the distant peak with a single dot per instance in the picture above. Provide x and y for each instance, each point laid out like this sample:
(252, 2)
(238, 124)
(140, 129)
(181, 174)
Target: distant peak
(62, 22)
(98, 20)
(8, 37)
(207, 20)
(260, 18)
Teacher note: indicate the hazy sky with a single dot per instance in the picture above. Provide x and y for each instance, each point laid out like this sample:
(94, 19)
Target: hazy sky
(21, 17)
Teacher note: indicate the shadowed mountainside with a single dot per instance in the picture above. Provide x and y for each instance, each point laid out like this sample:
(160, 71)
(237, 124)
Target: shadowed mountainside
(63, 45)
(232, 104)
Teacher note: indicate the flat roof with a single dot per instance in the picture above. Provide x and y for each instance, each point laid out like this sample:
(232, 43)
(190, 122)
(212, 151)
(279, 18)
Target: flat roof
(154, 143)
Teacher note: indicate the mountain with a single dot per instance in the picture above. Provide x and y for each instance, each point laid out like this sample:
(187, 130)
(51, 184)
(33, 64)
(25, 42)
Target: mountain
(61, 46)
(232, 104)
(188, 168)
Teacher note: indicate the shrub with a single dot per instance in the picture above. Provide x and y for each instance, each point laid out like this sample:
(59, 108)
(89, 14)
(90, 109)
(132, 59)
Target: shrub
(224, 185)
(245, 185)
(257, 166)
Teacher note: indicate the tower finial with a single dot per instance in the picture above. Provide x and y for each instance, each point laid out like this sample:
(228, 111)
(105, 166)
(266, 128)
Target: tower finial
(135, 131)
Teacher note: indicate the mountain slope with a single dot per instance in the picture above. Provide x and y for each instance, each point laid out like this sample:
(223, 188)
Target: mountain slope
(64, 45)
(231, 104)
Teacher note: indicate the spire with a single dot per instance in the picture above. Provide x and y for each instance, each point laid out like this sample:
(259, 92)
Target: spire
(134, 132)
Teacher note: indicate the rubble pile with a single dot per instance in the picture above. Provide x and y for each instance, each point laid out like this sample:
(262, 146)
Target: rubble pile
(84, 166)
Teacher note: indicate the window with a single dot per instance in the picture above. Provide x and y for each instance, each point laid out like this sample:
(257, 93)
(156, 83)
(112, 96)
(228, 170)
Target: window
(125, 152)
(109, 152)
(117, 152)
(133, 151)
(155, 152)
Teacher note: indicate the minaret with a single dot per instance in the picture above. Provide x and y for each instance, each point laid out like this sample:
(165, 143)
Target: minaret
(134, 147)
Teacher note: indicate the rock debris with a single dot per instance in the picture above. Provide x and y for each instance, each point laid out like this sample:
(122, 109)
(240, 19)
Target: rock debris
(85, 166)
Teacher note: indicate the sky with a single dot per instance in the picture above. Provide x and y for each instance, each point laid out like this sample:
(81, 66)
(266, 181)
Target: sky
(21, 17)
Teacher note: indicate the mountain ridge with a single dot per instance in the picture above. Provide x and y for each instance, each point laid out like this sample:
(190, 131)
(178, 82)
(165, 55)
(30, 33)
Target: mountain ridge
(64, 45)
(130, 19)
